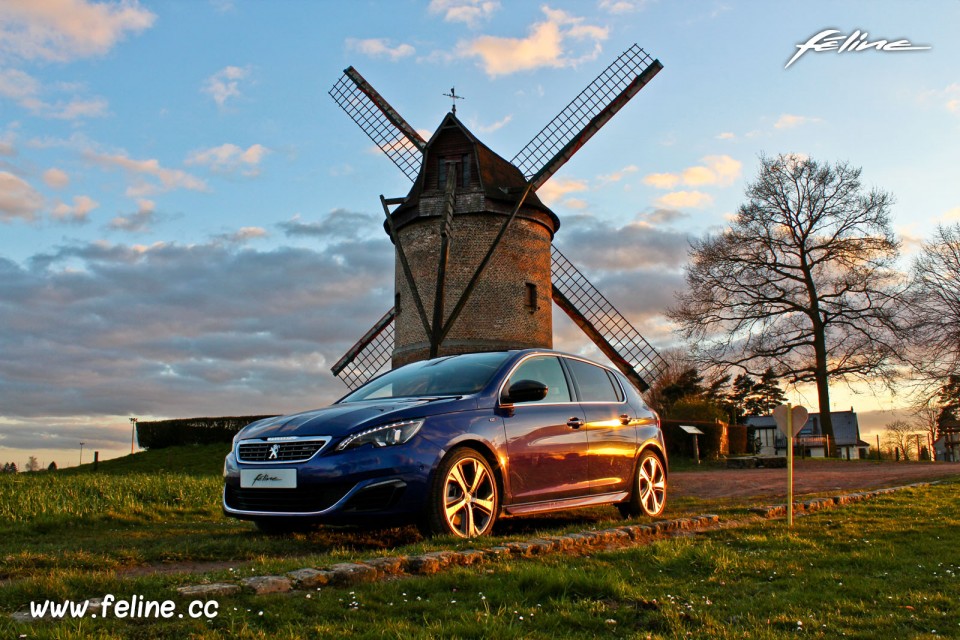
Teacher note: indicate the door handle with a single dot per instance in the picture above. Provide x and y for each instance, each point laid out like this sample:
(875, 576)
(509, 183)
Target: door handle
(574, 423)
(624, 419)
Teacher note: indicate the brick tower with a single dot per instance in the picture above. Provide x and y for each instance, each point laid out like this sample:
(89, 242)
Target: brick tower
(509, 306)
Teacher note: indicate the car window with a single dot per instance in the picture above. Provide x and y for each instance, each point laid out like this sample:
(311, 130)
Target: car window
(547, 370)
(616, 386)
(593, 382)
(450, 376)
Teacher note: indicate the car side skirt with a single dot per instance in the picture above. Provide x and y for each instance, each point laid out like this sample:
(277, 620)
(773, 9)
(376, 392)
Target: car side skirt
(566, 503)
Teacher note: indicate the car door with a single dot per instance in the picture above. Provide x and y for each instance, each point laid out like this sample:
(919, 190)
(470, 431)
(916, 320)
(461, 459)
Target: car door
(609, 427)
(546, 446)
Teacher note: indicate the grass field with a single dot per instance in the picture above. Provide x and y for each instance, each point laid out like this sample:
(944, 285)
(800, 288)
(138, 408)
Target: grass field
(885, 568)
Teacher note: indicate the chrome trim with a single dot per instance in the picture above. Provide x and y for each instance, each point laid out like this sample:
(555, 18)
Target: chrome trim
(324, 440)
(360, 486)
(560, 504)
(557, 404)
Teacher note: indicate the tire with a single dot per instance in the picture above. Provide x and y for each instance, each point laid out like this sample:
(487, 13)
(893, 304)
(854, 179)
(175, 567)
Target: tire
(464, 500)
(649, 494)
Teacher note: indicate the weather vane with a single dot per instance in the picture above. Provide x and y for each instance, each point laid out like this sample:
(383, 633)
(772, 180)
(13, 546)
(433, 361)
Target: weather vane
(453, 98)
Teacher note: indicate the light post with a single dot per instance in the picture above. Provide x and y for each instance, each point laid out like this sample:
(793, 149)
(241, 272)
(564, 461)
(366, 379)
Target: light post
(81, 452)
(133, 434)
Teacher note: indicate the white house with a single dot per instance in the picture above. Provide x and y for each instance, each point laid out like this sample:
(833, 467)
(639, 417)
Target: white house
(811, 441)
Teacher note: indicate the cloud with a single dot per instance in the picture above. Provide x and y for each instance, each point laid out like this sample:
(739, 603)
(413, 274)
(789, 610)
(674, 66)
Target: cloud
(380, 48)
(684, 200)
(547, 45)
(470, 12)
(18, 199)
(953, 215)
(7, 147)
(168, 330)
(169, 179)
(64, 30)
(789, 121)
(726, 135)
(243, 234)
(225, 84)
(26, 90)
(555, 189)
(56, 178)
(662, 180)
(338, 224)
(617, 176)
(78, 212)
(617, 7)
(716, 171)
(490, 128)
(230, 159)
(138, 222)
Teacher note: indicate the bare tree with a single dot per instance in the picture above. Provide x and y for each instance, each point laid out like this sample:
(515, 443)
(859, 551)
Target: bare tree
(33, 464)
(900, 434)
(802, 281)
(935, 306)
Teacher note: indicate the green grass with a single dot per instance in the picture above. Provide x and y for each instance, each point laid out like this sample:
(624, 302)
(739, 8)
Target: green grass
(887, 568)
(855, 570)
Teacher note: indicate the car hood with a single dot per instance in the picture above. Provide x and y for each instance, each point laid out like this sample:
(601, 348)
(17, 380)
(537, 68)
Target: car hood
(341, 419)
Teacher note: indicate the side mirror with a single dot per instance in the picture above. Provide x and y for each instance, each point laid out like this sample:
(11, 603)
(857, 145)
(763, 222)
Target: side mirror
(526, 391)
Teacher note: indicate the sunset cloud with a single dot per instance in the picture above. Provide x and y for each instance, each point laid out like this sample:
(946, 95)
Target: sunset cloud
(469, 12)
(716, 171)
(78, 212)
(380, 48)
(548, 44)
(225, 84)
(230, 159)
(63, 30)
(684, 200)
(56, 178)
(789, 121)
(18, 199)
(165, 179)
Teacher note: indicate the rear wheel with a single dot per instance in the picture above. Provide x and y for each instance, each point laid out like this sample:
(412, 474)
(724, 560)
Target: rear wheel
(649, 494)
(464, 500)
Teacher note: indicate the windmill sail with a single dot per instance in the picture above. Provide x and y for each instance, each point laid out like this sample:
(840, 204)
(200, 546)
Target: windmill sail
(382, 124)
(369, 355)
(572, 292)
(607, 327)
(591, 109)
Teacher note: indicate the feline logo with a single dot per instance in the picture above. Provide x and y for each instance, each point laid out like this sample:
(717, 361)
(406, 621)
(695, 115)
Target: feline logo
(274, 452)
(857, 41)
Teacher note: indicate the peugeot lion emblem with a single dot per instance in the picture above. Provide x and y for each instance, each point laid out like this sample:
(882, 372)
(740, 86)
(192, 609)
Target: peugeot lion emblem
(274, 452)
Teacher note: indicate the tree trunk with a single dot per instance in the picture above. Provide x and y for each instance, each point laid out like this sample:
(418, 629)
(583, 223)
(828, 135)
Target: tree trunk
(823, 388)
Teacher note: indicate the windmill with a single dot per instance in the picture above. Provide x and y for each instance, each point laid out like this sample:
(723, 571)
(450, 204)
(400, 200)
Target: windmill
(476, 267)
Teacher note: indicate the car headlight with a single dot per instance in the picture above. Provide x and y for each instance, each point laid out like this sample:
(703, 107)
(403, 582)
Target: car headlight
(383, 436)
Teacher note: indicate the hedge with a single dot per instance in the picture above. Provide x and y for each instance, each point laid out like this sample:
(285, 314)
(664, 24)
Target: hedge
(160, 434)
(712, 444)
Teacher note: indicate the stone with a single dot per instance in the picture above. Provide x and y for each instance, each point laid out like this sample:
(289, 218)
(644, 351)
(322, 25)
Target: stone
(346, 573)
(390, 565)
(262, 585)
(310, 578)
(207, 590)
(423, 565)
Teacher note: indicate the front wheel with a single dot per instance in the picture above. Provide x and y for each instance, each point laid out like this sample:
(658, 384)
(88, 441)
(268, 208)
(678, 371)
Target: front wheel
(649, 495)
(463, 500)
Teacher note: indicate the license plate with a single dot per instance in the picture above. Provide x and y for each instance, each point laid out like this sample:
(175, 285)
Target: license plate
(268, 478)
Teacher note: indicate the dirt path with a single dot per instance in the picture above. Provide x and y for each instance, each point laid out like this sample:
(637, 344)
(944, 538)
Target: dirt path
(810, 476)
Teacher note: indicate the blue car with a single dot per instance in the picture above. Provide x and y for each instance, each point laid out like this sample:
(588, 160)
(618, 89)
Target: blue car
(452, 444)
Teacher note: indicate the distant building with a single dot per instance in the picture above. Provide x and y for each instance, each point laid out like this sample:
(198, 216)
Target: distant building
(947, 446)
(811, 441)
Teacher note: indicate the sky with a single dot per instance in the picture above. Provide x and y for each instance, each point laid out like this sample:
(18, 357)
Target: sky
(190, 226)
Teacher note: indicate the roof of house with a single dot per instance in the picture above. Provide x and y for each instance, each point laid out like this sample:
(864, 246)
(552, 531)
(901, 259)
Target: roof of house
(846, 428)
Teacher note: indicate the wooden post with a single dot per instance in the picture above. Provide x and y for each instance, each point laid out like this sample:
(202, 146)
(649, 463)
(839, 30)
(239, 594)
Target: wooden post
(789, 465)
(96, 460)
(878, 447)
(696, 449)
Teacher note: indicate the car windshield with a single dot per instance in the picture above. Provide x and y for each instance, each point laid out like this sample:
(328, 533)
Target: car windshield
(451, 376)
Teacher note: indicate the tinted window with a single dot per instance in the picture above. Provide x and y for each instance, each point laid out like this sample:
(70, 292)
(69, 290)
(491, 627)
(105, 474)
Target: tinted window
(593, 381)
(548, 371)
(453, 376)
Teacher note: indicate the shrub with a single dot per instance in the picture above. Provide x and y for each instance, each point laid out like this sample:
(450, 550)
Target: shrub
(712, 444)
(737, 436)
(172, 433)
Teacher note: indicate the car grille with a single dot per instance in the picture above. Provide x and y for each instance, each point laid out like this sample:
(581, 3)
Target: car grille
(306, 500)
(286, 451)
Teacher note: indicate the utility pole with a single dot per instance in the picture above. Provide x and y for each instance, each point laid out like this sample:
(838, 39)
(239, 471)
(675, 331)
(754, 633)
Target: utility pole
(81, 452)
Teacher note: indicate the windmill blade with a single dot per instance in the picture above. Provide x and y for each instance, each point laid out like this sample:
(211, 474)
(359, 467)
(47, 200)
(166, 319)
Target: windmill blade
(382, 124)
(578, 121)
(607, 327)
(369, 355)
